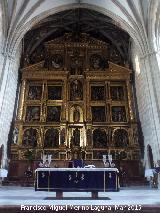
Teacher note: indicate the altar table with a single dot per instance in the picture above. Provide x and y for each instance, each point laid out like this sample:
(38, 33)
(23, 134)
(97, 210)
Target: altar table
(77, 179)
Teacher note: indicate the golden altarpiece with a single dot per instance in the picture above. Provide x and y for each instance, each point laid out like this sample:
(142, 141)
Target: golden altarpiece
(76, 102)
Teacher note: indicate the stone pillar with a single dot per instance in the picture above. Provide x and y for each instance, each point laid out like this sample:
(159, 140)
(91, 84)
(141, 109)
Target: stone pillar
(7, 99)
(153, 78)
(147, 86)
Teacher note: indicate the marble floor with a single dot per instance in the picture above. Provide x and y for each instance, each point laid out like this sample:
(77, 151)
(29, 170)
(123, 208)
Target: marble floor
(142, 195)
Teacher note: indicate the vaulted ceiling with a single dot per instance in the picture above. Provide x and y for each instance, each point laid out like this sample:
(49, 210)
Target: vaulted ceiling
(140, 18)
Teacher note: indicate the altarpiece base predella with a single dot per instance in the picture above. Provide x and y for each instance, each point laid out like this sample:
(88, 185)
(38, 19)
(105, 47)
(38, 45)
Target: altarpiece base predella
(77, 101)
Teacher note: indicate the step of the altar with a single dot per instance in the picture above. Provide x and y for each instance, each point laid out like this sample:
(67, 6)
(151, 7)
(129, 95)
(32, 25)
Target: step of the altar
(136, 181)
(18, 182)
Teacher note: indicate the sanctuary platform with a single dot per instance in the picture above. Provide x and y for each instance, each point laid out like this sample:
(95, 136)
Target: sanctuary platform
(145, 199)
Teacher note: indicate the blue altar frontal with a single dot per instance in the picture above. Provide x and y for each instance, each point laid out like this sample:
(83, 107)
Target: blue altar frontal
(77, 179)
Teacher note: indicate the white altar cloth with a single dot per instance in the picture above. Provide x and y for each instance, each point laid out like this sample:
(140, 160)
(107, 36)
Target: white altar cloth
(77, 169)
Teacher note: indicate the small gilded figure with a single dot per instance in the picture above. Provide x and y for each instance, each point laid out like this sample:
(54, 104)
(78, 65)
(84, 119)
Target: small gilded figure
(76, 114)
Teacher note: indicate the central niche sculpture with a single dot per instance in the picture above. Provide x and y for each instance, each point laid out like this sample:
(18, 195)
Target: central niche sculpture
(76, 114)
(76, 91)
(76, 137)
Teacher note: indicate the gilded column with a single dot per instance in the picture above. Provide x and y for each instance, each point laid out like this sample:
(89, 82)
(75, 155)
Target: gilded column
(87, 111)
(43, 102)
(65, 107)
(130, 103)
(21, 100)
(20, 136)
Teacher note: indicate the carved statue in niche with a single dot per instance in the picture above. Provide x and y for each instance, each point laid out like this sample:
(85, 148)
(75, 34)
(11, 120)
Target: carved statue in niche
(15, 135)
(118, 114)
(89, 137)
(117, 93)
(51, 138)
(71, 142)
(100, 139)
(76, 137)
(34, 93)
(121, 138)
(97, 93)
(76, 64)
(62, 136)
(54, 92)
(76, 114)
(33, 113)
(30, 137)
(135, 135)
(98, 114)
(76, 90)
(53, 113)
